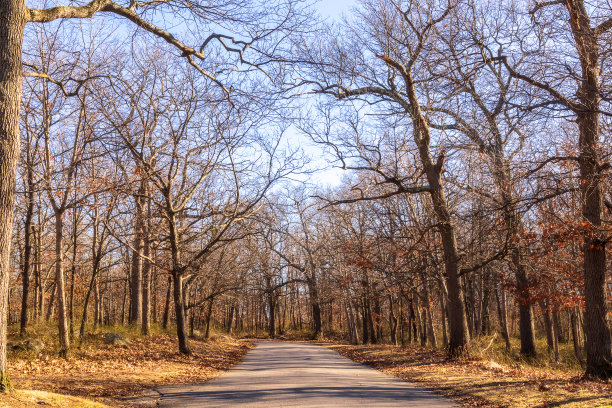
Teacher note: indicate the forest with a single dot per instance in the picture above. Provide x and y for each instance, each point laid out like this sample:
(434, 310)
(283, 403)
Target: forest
(159, 162)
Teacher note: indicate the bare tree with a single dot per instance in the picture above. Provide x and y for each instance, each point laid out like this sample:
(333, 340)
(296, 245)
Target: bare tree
(580, 93)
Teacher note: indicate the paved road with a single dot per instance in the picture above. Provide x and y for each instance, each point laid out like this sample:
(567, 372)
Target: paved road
(299, 375)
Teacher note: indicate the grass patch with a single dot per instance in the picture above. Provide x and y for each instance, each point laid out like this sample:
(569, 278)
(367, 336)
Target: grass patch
(31, 399)
(481, 382)
(493, 348)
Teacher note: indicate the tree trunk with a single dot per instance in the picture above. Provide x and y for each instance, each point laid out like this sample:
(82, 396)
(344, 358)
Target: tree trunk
(443, 314)
(38, 272)
(72, 276)
(179, 310)
(98, 302)
(272, 314)
(208, 317)
(576, 336)
(526, 330)
(12, 24)
(166, 316)
(146, 287)
(230, 319)
(136, 276)
(459, 337)
(597, 332)
(597, 344)
(62, 318)
(51, 302)
(551, 338)
(316, 308)
(27, 262)
(392, 322)
(502, 315)
(364, 321)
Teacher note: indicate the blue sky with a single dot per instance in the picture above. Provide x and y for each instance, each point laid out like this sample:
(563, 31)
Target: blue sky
(335, 8)
(328, 175)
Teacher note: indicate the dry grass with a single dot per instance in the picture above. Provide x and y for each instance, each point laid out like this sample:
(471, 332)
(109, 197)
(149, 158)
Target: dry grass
(31, 399)
(109, 374)
(483, 383)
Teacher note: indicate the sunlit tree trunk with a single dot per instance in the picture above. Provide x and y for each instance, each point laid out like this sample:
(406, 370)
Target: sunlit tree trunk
(12, 25)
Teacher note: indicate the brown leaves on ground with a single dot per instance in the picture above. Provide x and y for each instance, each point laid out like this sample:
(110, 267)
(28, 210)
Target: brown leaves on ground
(478, 383)
(32, 399)
(110, 373)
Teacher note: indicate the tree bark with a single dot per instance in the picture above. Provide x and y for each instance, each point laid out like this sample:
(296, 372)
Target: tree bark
(166, 317)
(136, 294)
(502, 315)
(146, 285)
(392, 322)
(27, 262)
(576, 336)
(459, 336)
(179, 310)
(598, 343)
(12, 25)
(551, 337)
(316, 308)
(62, 318)
(208, 317)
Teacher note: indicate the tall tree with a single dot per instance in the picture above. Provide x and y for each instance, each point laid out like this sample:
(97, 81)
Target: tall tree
(582, 95)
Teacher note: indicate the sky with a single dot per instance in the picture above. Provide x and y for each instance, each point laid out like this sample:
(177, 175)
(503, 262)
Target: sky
(335, 8)
(328, 175)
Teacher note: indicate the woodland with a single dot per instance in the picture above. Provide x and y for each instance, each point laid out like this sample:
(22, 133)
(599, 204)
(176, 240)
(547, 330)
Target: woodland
(157, 160)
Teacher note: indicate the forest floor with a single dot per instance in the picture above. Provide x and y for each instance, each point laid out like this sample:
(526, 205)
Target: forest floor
(479, 382)
(113, 375)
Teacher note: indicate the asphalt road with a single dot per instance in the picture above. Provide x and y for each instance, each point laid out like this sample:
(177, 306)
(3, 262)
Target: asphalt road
(278, 374)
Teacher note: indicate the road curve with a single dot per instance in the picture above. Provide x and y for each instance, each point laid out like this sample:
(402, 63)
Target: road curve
(276, 374)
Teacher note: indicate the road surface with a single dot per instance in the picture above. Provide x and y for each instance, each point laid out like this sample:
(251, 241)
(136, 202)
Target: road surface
(276, 374)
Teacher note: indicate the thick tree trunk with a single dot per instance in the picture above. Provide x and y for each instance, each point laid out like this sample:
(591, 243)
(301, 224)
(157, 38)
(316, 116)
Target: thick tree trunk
(597, 332)
(179, 310)
(526, 329)
(598, 343)
(12, 25)
(459, 337)
(315, 307)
